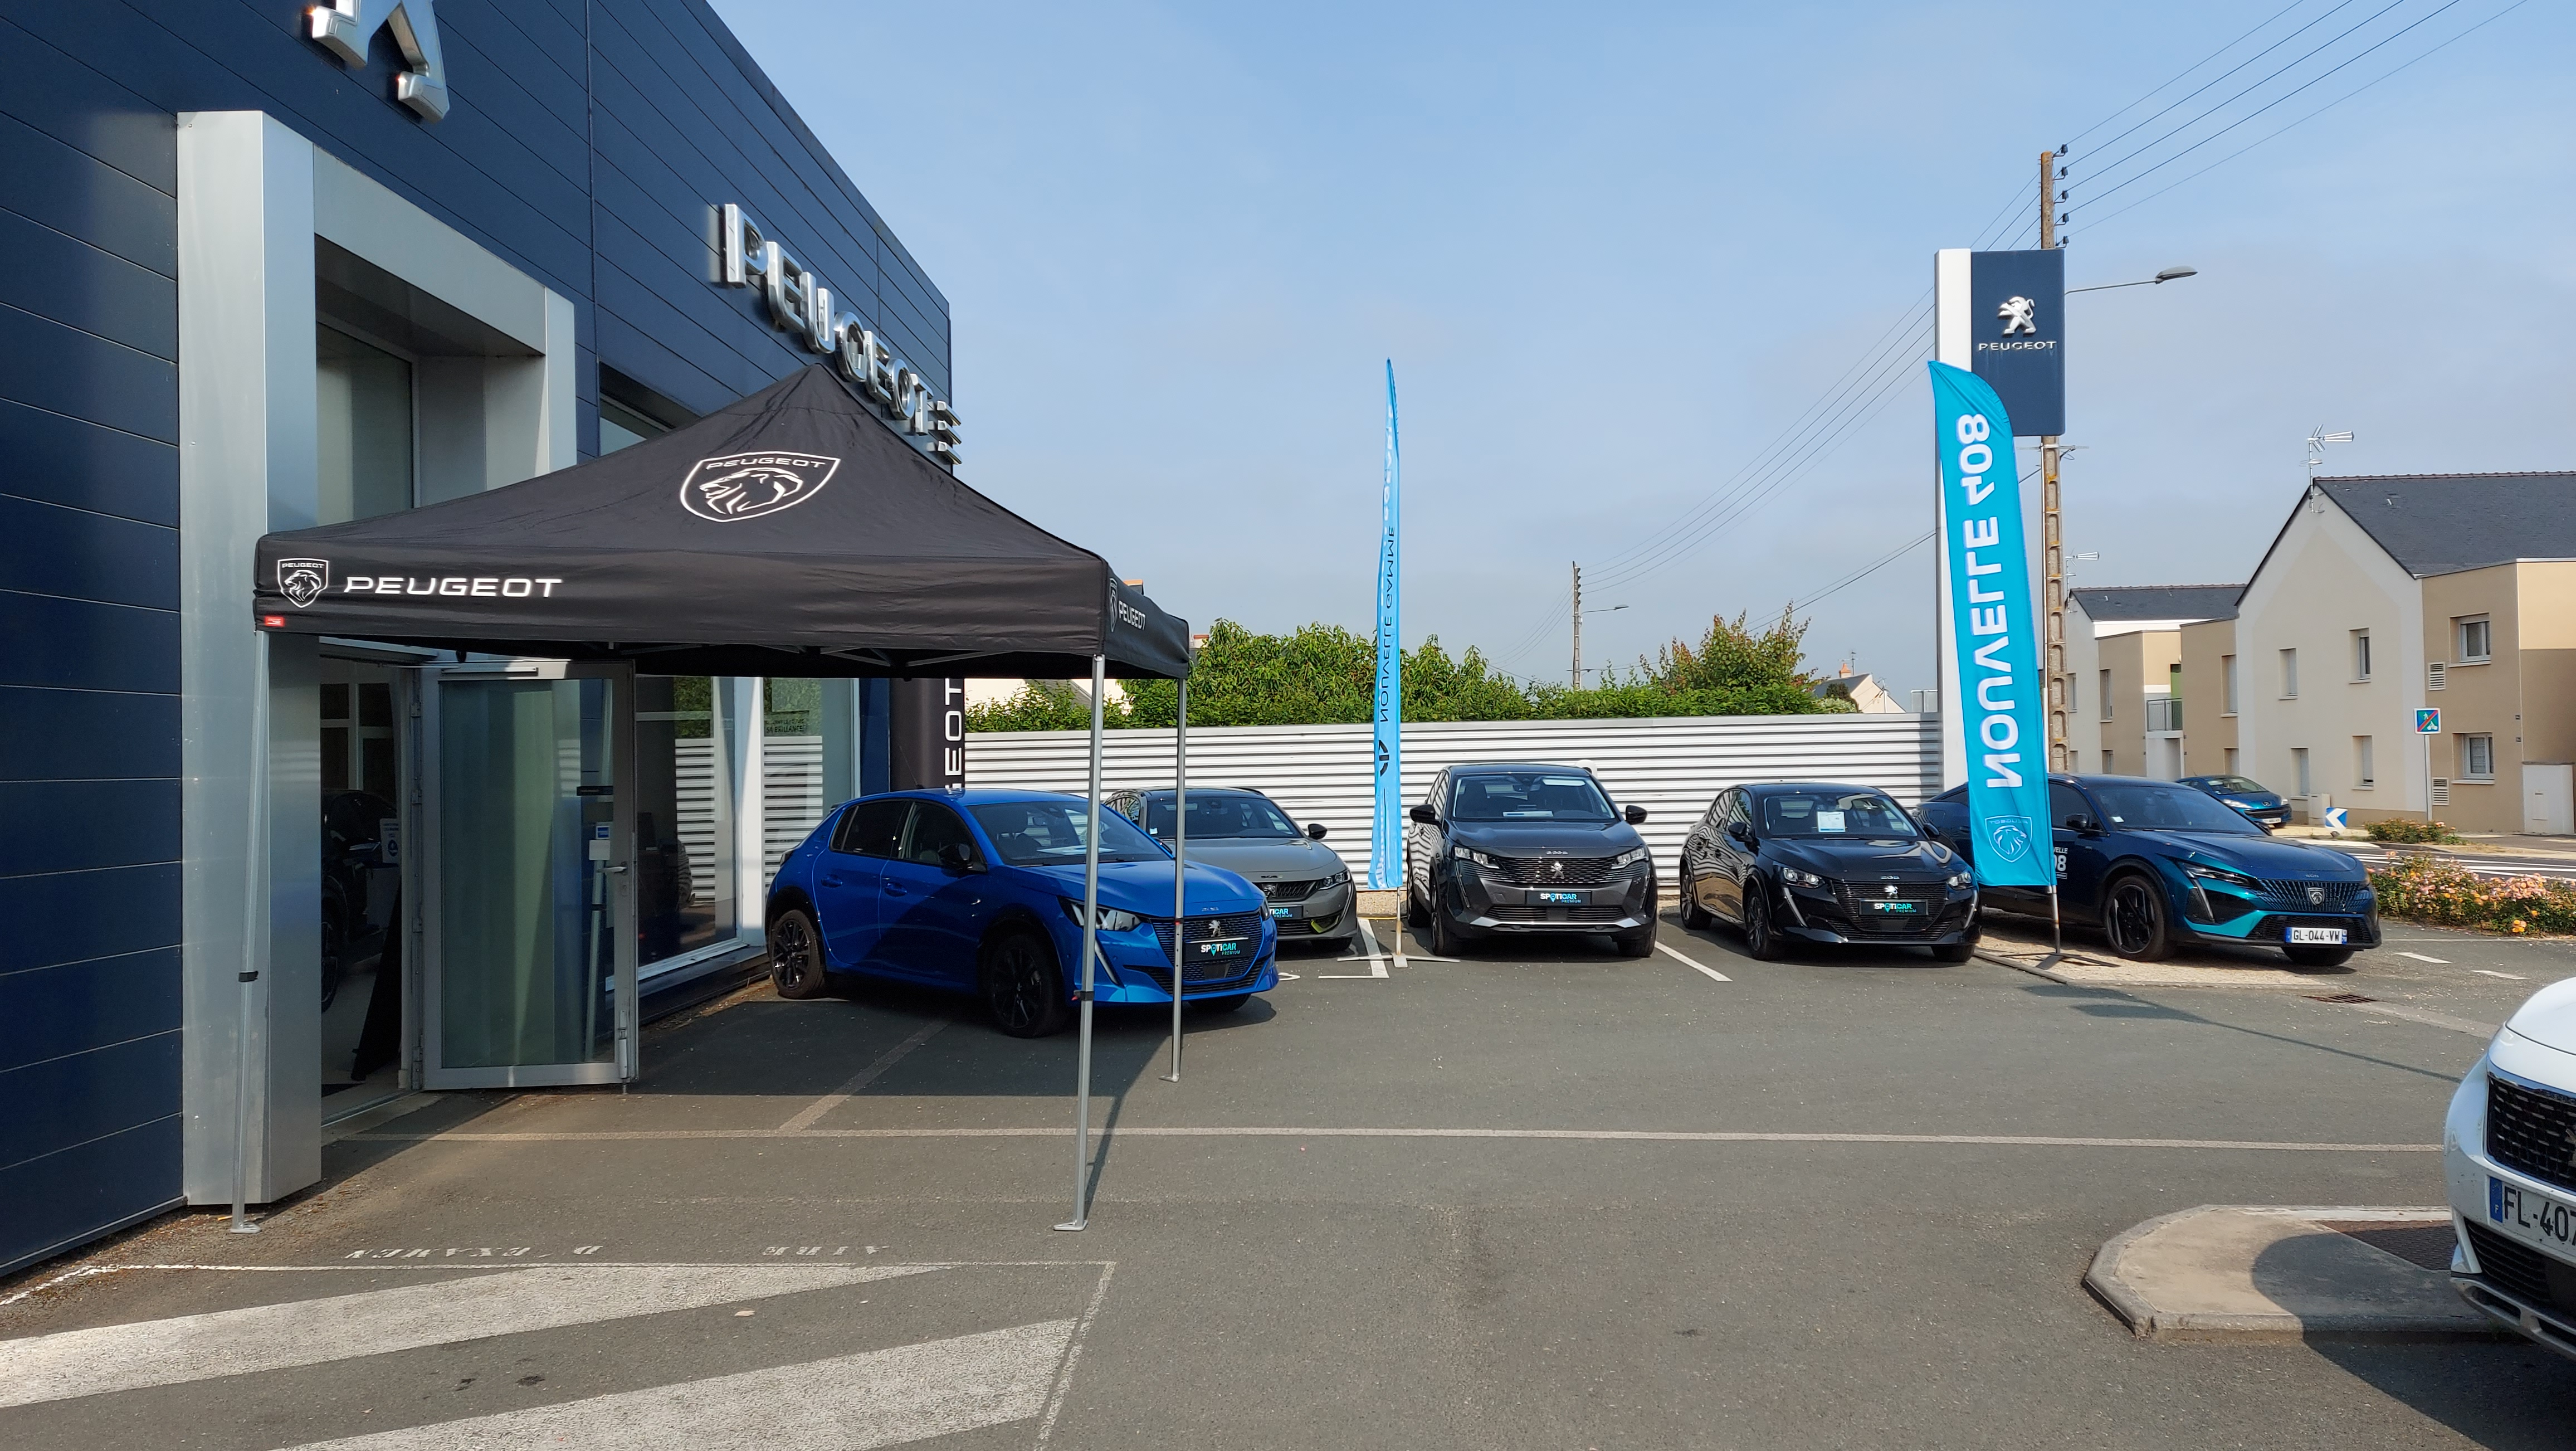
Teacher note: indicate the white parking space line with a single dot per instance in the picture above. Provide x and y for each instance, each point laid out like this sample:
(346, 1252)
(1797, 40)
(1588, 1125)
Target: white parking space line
(877, 1398)
(1712, 974)
(2425, 1016)
(1264, 1131)
(2437, 961)
(1376, 961)
(188, 1348)
(2488, 972)
(813, 1112)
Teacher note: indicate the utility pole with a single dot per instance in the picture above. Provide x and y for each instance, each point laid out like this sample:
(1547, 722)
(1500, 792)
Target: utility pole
(1576, 680)
(2053, 564)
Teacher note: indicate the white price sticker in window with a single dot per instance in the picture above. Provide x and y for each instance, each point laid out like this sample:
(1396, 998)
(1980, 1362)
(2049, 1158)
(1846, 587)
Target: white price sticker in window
(1829, 821)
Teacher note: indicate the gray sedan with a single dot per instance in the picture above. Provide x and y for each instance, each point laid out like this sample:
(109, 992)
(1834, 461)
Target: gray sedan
(1308, 886)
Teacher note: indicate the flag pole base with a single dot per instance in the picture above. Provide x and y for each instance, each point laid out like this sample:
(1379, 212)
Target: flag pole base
(1075, 1226)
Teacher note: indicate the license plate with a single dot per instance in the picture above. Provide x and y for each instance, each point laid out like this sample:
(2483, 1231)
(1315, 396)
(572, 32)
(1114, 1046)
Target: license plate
(2531, 1214)
(1222, 947)
(1283, 913)
(2323, 936)
(1892, 906)
(1561, 899)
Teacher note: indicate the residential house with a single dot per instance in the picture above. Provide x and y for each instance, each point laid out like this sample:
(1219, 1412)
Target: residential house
(2124, 684)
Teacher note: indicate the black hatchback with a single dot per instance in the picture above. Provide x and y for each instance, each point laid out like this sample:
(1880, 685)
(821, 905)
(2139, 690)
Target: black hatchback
(1815, 862)
(1505, 850)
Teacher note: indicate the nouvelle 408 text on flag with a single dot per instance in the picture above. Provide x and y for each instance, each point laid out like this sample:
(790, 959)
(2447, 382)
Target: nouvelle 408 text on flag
(1994, 630)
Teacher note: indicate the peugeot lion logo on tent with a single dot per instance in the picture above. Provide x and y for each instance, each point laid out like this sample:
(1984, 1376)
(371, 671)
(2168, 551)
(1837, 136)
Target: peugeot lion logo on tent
(303, 580)
(749, 485)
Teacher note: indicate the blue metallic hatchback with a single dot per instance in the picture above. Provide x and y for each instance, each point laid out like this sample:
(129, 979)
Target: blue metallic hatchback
(2157, 864)
(981, 892)
(2258, 801)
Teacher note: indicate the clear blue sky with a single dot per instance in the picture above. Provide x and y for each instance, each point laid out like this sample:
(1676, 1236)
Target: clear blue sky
(1616, 253)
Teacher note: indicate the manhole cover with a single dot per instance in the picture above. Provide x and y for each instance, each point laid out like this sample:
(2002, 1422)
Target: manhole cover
(2341, 998)
(2417, 1243)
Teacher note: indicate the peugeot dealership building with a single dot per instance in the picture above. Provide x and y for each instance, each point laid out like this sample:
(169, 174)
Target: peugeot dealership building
(266, 264)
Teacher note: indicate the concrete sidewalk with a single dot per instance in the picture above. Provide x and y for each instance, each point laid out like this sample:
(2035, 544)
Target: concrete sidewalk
(2258, 1272)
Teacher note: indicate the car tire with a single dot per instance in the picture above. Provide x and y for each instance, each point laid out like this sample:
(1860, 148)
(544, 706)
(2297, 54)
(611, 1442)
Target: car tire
(1444, 933)
(1762, 940)
(2308, 956)
(796, 967)
(1021, 985)
(1694, 916)
(1220, 1005)
(1414, 916)
(1954, 952)
(2133, 918)
(1639, 943)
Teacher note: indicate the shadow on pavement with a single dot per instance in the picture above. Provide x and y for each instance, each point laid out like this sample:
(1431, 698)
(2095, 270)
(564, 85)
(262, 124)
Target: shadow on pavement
(2504, 1395)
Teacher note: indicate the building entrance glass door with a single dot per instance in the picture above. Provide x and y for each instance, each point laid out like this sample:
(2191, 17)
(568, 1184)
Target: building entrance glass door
(528, 839)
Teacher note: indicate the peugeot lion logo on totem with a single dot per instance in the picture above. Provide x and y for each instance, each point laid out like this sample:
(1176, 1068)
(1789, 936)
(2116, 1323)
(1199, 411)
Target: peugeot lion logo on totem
(742, 486)
(2017, 313)
(302, 581)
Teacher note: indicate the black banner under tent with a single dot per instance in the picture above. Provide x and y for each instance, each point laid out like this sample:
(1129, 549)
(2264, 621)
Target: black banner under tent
(792, 534)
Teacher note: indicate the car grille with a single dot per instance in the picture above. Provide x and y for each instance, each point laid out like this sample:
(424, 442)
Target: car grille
(1926, 897)
(1558, 914)
(2532, 1132)
(1910, 926)
(1202, 976)
(1555, 871)
(1291, 892)
(1246, 925)
(2338, 895)
(2514, 1267)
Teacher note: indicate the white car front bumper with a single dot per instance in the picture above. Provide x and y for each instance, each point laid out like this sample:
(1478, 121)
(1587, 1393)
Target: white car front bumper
(2515, 1259)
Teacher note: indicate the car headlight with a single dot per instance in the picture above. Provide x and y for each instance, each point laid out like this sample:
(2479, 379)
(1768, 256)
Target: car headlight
(1470, 854)
(1337, 879)
(1961, 879)
(1111, 919)
(2204, 872)
(1628, 858)
(1797, 878)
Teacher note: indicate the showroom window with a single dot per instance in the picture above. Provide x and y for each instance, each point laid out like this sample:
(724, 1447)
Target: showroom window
(2477, 757)
(687, 762)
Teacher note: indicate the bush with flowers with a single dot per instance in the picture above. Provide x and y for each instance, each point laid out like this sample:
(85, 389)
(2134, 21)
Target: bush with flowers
(2427, 888)
(2410, 831)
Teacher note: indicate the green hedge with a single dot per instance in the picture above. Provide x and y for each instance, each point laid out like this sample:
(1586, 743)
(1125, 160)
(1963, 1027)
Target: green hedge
(2428, 888)
(2411, 831)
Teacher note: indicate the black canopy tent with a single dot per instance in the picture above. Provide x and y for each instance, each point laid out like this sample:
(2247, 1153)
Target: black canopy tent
(792, 533)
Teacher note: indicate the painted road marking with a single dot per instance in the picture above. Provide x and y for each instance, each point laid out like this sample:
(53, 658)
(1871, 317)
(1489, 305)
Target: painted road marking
(1377, 963)
(814, 1111)
(1677, 1136)
(2427, 1017)
(849, 1403)
(1712, 974)
(109, 1358)
(2488, 972)
(2437, 961)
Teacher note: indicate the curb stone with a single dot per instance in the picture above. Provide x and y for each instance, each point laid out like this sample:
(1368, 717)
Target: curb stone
(2440, 1316)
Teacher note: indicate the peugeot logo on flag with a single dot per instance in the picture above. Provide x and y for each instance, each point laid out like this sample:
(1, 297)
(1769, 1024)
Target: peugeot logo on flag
(2010, 836)
(303, 580)
(743, 486)
(2017, 315)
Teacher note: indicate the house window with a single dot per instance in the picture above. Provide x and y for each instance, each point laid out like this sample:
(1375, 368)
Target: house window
(2227, 684)
(2361, 654)
(2290, 676)
(2074, 694)
(2476, 640)
(2363, 774)
(2231, 760)
(2106, 699)
(2299, 768)
(2477, 758)
(2108, 768)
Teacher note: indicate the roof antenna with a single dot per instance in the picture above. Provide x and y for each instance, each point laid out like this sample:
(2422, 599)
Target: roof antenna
(2318, 438)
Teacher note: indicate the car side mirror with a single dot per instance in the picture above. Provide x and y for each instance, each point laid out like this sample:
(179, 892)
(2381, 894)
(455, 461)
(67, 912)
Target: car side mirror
(1741, 832)
(1425, 814)
(958, 857)
(1634, 815)
(2083, 823)
(1314, 831)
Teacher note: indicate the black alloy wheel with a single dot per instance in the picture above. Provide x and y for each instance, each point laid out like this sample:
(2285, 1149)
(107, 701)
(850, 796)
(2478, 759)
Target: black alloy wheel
(2133, 918)
(1694, 915)
(2310, 955)
(1022, 988)
(796, 956)
(1414, 915)
(1762, 941)
(1444, 933)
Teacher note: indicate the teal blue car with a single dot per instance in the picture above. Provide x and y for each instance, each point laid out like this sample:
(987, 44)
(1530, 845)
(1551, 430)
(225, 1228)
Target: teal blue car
(2157, 865)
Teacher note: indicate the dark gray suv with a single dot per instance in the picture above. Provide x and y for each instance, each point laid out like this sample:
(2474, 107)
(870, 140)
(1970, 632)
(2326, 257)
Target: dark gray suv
(1243, 831)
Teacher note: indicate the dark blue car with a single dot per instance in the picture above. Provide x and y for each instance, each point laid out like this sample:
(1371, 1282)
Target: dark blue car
(981, 892)
(2248, 795)
(2157, 864)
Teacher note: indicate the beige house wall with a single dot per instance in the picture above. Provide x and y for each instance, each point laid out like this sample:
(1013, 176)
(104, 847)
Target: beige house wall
(2477, 698)
(2141, 663)
(2208, 726)
(2083, 667)
(2545, 626)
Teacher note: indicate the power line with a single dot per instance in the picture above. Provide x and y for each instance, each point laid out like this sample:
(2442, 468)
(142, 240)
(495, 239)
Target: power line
(2187, 70)
(1864, 572)
(2242, 64)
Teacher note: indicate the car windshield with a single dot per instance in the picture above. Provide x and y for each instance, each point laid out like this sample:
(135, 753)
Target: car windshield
(1049, 834)
(1834, 813)
(2154, 806)
(1221, 815)
(2236, 785)
(1529, 796)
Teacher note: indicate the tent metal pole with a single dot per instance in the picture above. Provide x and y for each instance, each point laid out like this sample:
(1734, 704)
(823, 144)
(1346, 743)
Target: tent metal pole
(1090, 954)
(1180, 861)
(255, 906)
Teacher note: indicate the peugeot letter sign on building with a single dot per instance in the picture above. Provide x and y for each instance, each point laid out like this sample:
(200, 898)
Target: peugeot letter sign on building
(346, 27)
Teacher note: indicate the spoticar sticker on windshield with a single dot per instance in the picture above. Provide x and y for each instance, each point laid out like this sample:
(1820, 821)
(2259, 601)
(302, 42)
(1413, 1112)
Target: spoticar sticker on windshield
(1829, 821)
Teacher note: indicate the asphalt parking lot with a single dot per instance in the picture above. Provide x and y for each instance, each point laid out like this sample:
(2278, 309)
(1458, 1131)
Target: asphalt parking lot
(1546, 1197)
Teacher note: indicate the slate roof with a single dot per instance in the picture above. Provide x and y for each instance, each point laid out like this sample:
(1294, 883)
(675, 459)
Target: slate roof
(2439, 523)
(2105, 603)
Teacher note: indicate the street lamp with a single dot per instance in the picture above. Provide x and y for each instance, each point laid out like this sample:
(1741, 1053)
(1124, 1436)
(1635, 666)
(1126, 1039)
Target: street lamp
(2170, 274)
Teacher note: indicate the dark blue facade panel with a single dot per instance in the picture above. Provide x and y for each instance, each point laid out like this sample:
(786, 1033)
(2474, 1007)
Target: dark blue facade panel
(74, 826)
(79, 106)
(46, 272)
(79, 645)
(84, 735)
(50, 549)
(77, 916)
(61, 1102)
(54, 1203)
(53, 1013)
(64, 460)
(81, 375)
(76, 194)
